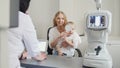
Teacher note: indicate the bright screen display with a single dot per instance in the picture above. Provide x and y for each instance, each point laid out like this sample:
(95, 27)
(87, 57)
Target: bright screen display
(97, 21)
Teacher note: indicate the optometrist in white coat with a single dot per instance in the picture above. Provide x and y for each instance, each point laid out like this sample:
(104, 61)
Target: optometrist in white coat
(23, 36)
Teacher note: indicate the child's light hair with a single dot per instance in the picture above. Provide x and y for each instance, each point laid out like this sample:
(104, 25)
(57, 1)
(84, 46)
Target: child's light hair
(69, 26)
(72, 24)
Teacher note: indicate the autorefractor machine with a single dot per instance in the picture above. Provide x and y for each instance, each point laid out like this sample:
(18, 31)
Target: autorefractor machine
(98, 26)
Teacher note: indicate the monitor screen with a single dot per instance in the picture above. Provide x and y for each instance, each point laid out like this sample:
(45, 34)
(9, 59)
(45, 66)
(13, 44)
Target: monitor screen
(97, 21)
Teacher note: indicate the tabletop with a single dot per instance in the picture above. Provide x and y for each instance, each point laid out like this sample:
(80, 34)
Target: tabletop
(53, 62)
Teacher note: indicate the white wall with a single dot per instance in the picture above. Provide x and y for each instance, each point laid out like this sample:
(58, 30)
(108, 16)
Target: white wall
(43, 11)
(75, 11)
(114, 49)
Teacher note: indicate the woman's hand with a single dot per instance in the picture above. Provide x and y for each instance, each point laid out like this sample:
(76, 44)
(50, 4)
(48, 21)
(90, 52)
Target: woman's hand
(63, 34)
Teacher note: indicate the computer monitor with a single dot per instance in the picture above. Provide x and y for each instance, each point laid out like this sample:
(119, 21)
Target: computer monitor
(97, 21)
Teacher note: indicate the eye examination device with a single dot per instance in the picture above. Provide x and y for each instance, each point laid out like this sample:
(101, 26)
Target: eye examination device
(98, 26)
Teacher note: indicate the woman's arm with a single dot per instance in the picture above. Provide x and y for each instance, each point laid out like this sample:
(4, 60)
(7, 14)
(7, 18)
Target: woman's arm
(69, 42)
(53, 37)
(54, 42)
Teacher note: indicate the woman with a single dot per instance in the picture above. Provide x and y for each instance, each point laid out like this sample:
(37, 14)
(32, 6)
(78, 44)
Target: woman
(55, 33)
(23, 36)
(70, 41)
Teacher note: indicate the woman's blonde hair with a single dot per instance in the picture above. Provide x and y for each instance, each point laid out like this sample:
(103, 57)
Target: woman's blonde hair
(65, 19)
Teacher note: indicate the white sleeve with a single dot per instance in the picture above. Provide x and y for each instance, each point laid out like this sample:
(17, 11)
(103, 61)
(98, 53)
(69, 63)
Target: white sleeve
(53, 34)
(30, 38)
(76, 40)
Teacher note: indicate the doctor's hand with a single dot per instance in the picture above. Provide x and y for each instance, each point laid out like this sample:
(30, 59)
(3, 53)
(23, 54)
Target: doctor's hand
(42, 56)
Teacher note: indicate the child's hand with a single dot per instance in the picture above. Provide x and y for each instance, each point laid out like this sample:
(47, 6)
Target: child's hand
(62, 34)
(64, 44)
(69, 33)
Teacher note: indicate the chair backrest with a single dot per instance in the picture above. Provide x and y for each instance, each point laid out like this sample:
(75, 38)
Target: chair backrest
(77, 53)
(49, 50)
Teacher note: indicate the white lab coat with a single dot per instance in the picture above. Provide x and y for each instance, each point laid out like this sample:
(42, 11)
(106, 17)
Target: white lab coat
(16, 36)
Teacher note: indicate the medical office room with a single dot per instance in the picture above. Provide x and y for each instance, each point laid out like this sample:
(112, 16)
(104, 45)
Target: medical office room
(99, 47)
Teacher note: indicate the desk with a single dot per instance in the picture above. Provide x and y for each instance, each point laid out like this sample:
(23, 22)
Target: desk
(54, 62)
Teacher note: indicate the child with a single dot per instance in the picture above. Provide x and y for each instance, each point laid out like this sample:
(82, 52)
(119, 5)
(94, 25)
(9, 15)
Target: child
(69, 41)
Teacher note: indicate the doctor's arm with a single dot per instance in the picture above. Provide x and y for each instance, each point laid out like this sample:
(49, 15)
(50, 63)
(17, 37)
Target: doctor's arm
(31, 42)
